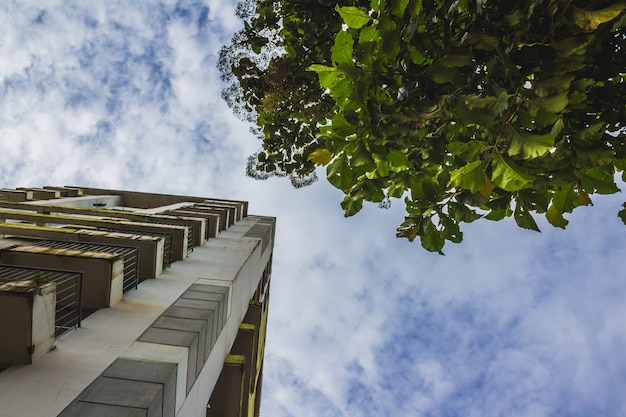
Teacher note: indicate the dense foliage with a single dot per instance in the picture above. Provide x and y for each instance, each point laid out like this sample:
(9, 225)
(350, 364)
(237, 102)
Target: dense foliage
(466, 109)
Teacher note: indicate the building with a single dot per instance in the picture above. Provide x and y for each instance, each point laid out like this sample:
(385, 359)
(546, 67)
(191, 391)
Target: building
(119, 303)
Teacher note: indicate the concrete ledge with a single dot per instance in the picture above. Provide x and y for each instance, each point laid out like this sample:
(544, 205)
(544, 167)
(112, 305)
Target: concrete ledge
(145, 396)
(83, 409)
(206, 315)
(155, 372)
(169, 354)
(197, 292)
(181, 332)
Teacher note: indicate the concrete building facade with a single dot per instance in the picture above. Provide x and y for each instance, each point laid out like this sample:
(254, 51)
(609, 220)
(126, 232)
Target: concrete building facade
(120, 303)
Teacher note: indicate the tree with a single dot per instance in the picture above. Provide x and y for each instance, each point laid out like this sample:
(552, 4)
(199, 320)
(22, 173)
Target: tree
(466, 109)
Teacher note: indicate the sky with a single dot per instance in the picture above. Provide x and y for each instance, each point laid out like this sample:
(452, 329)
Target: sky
(125, 94)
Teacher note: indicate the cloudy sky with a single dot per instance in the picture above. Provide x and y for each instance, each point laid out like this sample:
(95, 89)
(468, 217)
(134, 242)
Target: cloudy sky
(126, 94)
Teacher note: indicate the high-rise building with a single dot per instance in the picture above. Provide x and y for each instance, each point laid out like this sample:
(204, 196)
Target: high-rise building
(120, 303)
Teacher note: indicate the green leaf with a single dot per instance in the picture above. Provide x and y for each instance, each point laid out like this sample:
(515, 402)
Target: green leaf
(362, 157)
(496, 215)
(457, 60)
(553, 85)
(594, 158)
(598, 179)
(398, 7)
(372, 191)
(502, 102)
(513, 19)
(589, 20)
(622, 214)
(557, 127)
(329, 77)
(321, 156)
(396, 190)
(483, 40)
(474, 117)
(398, 160)
(583, 197)
(441, 74)
(408, 229)
(342, 49)
(352, 205)
(556, 103)
(480, 102)
(591, 131)
(378, 5)
(467, 151)
(555, 217)
(565, 199)
(321, 68)
(469, 177)
(382, 168)
(353, 16)
(416, 8)
(432, 239)
(416, 55)
(508, 176)
(339, 173)
(368, 34)
(341, 127)
(527, 145)
(340, 88)
(461, 213)
(524, 219)
(451, 230)
(573, 46)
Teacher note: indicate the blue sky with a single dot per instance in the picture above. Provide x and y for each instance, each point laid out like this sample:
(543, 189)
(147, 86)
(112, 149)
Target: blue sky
(510, 323)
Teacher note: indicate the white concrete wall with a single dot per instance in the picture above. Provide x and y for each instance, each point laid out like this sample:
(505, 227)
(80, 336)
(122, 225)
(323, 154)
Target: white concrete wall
(44, 306)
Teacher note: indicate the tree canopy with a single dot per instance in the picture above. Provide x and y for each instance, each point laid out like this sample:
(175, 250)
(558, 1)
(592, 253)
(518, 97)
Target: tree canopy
(466, 109)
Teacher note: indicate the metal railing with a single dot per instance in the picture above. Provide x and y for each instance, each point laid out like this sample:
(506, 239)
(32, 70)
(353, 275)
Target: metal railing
(190, 239)
(130, 256)
(69, 292)
(167, 238)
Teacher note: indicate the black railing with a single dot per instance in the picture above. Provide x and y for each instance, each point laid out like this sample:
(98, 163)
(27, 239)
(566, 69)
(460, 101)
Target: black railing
(69, 292)
(130, 256)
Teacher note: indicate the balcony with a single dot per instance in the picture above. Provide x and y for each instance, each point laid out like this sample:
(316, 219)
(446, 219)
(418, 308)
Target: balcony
(36, 306)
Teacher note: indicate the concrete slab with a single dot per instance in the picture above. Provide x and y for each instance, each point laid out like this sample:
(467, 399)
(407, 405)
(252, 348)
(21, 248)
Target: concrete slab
(82, 409)
(203, 295)
(147, 371)
(125, 393)
(209, 316)
(219, 283)
(204, 305)
(173, 337)
(209, 288)
(163, 353)
(198, 327)
(209, 296)
(223, 295)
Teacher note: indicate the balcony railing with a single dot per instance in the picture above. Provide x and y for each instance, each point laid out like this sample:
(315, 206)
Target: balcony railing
(130, 256)
(69, 292)
(167, 244)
